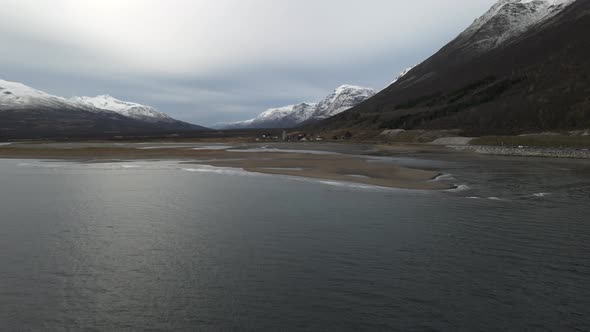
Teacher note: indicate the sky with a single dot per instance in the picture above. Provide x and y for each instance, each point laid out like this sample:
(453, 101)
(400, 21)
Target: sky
(212, 61)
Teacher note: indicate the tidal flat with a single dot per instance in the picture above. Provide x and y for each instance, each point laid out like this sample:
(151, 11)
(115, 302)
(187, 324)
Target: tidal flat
(336, 162)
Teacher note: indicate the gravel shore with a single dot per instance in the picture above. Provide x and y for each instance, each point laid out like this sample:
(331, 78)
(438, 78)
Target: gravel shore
(525, 151)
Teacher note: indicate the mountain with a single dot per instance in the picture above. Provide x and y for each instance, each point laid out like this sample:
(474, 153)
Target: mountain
(342, 99)
(17, 96)
(300, 113)
(281, 117)
(521, 67)
(132, 110)
(29, 113)
(508, 19)
(402, 74)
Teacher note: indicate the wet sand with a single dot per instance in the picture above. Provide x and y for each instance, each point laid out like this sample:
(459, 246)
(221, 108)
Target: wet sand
(331, 166)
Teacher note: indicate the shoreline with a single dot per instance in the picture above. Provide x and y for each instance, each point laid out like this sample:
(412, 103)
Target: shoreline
(323, 166)
(524, 151)
(351, 162)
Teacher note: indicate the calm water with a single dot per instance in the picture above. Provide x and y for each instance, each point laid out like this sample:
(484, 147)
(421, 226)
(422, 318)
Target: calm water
(148, 245)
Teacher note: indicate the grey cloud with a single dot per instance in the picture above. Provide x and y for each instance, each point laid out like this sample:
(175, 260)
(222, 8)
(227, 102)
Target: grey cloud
(212, 61)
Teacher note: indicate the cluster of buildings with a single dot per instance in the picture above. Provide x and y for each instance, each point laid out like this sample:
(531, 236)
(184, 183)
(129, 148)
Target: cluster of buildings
(299, 137)
(290, 137)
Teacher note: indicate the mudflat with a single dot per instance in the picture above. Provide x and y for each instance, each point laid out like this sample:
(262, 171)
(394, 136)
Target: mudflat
(320, 165)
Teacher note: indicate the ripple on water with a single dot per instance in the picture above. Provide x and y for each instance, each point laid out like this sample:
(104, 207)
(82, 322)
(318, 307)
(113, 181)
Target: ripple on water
(196, 250)
(459, 188)
(213, 147)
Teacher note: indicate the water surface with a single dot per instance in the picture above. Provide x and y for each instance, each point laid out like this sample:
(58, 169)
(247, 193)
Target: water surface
(159, 245)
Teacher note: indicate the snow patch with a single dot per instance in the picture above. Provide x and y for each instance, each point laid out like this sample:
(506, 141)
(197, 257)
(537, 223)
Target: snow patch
(402, 74)
(508, 19)
(129, 109)
(15, 95)
(342, 99)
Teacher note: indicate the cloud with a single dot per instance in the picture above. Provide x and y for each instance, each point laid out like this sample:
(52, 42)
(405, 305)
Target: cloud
(218, 55)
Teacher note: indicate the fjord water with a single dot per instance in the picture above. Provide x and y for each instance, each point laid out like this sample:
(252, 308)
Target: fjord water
(159, 245)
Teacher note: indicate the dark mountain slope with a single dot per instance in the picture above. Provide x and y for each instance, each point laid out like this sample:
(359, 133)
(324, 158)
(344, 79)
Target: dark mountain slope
(59, 123)
(539, 80)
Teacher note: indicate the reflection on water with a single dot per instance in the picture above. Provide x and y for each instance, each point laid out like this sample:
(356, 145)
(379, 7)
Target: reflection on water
(151, 245)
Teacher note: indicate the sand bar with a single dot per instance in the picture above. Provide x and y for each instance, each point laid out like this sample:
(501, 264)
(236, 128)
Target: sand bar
(338, 167)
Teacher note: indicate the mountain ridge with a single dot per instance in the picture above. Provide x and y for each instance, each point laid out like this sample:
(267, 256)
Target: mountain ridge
(129, 109)
(535, 80)
(342, 98)
(29, 113)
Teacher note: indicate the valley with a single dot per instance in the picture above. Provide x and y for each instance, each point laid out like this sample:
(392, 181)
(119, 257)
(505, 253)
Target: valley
(295, 165)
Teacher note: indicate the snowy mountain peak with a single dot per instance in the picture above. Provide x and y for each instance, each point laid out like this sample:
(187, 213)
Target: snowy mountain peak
(18, 89)
(341, 99)
(347, 87)
(17, 96)
(508, 19)
(273, 113)
(129, 109)
(282, 116)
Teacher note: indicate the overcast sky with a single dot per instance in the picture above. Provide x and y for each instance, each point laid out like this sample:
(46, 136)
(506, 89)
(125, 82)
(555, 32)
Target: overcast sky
(209, 61)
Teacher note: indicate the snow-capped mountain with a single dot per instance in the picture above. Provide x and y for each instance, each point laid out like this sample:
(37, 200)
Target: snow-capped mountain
(300, 113)
(287, 116)
(132, 110)
(26, 112)
(233, 125)
(277, 114)
(280, 117)
(501, 25)
(520, 67)
(508, 19)
(16, 96)
(342, 99)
